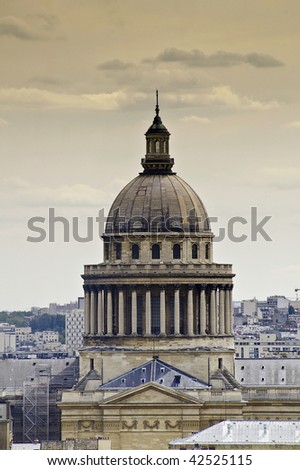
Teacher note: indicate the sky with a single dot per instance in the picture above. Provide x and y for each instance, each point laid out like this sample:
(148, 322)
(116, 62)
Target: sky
(77, 94)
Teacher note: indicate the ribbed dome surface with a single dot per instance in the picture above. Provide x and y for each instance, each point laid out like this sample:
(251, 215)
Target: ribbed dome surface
(157, 203)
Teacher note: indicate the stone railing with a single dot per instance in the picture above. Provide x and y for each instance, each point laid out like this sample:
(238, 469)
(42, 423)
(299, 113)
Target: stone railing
(276, 393)
(157, 268)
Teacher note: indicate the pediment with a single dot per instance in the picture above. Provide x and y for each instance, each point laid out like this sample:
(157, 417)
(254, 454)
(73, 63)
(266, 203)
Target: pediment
(151, 393)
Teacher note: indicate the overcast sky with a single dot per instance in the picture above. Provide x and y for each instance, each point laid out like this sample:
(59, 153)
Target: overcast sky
(77, 93)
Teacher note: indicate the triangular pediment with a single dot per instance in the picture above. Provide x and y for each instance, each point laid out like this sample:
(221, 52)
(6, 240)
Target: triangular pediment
(151, 393)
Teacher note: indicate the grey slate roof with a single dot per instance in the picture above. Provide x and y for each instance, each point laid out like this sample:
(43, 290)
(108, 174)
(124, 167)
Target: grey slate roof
(157, 371)
(157, 203)
(228, 380)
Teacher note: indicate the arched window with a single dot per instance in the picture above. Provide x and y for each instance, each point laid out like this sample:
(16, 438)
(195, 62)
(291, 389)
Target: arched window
(195, 251)
(176, 251)
(148, 146)
(207, 251)
(155, 251)
(135, 251)
(118, 250)
(165, 146)
(157, 146)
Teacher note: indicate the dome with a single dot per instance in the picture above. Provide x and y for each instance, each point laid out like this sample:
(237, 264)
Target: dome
(157, 200)
(157, 203)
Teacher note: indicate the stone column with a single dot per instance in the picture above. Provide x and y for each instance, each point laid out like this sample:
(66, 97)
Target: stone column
(133, 312)
(109, 312)
(86, 311)
(176, 311)
(121, 312)
(190, 312)
(212, 313)
(99, 329)
(228, 312)
(148, 312)
(162, 310)
(221, 310)
(92, 312)
(203, 313)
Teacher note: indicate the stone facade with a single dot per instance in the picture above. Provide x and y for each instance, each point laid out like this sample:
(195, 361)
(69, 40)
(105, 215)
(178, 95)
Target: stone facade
(158, 293)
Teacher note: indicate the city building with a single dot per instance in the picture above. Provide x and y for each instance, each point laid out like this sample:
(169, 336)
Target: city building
(74, 330)
(7, 338)
(158, 356)
(158, 292)
(244, 434)
(33, 386)
(268, 372)
(5, 425)
(266, 345)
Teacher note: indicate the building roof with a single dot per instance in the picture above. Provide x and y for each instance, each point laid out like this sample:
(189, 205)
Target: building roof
(157, 371)
(89, 382)
(157, 200)
(26, 446)
(157, 203)
(244, 432)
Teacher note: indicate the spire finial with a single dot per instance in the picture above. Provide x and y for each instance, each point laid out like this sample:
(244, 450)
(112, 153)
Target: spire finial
(157, 107)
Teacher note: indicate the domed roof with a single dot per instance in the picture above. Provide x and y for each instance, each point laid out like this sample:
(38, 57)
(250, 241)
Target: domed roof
(157, 203)
(157, 200)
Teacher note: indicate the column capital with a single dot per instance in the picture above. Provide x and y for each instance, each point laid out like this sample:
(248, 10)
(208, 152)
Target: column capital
(191, 286)
(228, 286)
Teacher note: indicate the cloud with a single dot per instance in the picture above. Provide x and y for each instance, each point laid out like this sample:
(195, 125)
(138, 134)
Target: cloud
(115, 65)
(197, 58)
(48, 22)
(225, 96)
(196, 119)
(44, 28)
(220, 96)
(294, 124)
(3, 122)
(16, 27)
(282, 178)
(17, 191)
(36, 97)
(293, 269)
(48, 81)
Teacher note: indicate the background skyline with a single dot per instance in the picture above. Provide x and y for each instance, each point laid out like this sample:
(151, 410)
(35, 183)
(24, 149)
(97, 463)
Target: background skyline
(77, 94)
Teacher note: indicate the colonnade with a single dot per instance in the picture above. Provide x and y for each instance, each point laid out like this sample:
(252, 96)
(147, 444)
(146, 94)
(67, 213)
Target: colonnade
(194, 310)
